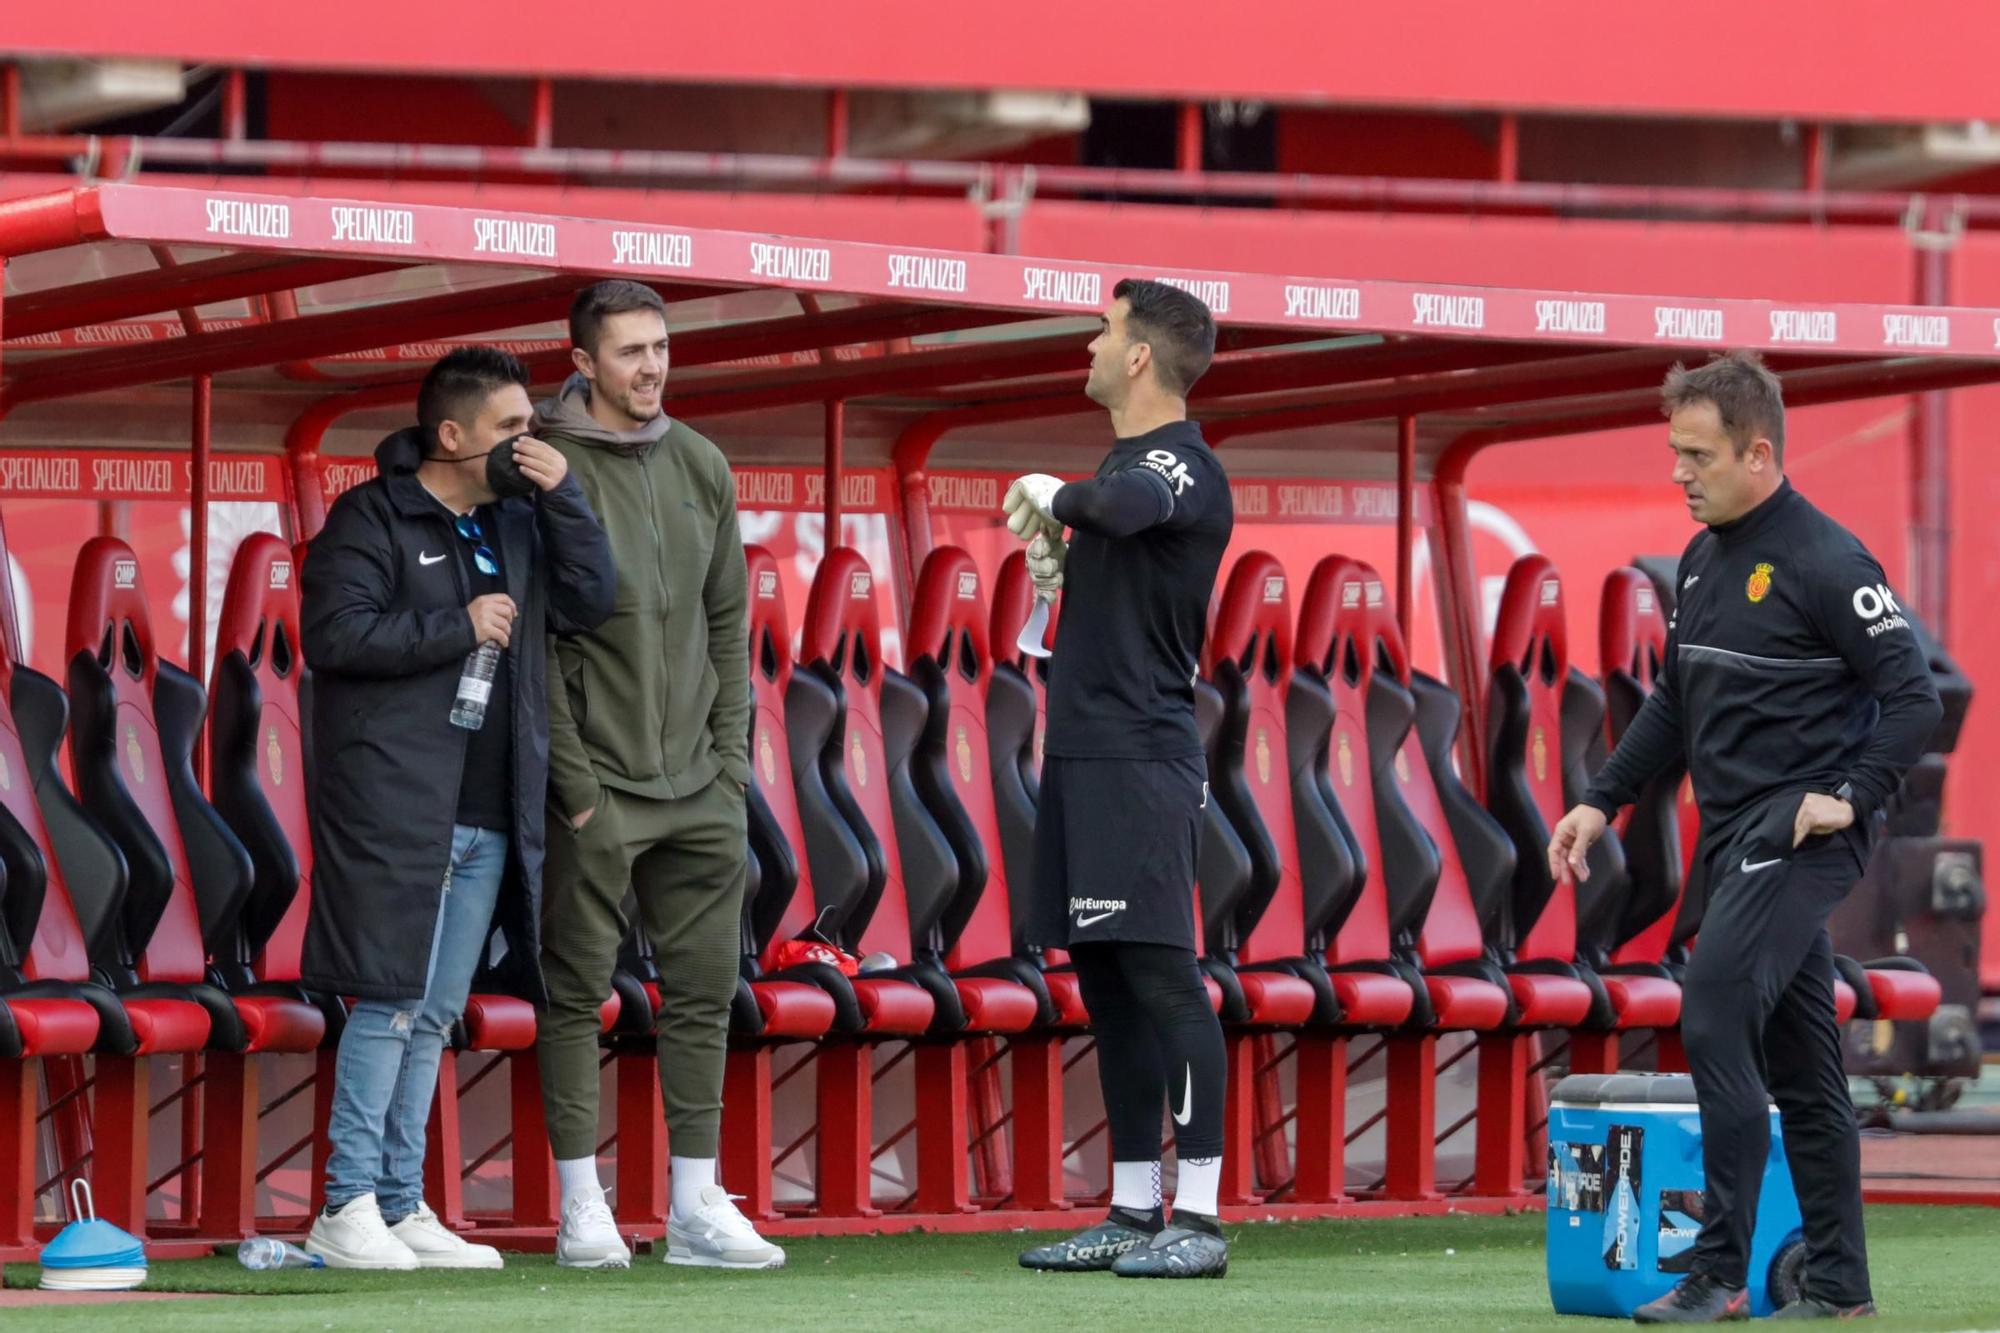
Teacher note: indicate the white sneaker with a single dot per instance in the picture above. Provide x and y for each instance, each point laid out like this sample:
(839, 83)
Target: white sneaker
(435, 1247)
(719, 1236)
(588, 1236)
(356, 1237)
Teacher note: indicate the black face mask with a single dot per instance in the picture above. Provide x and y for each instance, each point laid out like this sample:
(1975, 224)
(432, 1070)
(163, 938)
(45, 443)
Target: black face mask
(503, 472)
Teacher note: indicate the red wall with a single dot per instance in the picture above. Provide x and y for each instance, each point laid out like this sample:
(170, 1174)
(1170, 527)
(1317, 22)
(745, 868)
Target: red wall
(1917, 60)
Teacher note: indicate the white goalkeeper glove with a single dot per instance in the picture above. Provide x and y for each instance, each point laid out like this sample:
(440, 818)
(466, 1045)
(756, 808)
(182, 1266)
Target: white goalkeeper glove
(1027, 506)
(1045, 564)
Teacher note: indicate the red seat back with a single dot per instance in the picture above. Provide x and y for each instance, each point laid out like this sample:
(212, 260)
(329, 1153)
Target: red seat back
(1013, 604)
(55, 946)
(770, 741)
(120, 762)
(951, 661)
(1376, 771)
(1631, 629)
(1476, 857)
(1530, 668)
(1016, 718)
(1249, 658)
(257, 748)
(883, 712)
(1347, 630)
(1632, 641)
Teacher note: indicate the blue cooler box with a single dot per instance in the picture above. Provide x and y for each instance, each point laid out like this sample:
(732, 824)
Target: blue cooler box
(1624, 1197)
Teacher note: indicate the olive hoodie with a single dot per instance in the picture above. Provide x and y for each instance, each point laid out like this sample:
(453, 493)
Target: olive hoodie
(656, 700)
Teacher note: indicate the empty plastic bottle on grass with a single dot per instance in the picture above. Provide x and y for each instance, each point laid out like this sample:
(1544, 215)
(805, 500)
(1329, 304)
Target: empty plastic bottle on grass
(260, 1254)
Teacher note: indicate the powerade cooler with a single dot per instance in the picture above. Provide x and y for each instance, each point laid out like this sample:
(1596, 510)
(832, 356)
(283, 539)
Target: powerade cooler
(1624, 1197)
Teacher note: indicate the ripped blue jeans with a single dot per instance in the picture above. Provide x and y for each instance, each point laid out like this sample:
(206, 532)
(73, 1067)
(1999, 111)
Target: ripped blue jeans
(387, 1069)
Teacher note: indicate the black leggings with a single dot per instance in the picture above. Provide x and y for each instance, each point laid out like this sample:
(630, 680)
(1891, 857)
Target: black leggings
(1150, 1012)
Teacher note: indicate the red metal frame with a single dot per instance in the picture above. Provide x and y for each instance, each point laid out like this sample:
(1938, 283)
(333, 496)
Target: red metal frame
(1507, 149)
(207, 281)
(542, 119)
(730, 260)
(19, 1080)
(1456, 368)
(10, 100)
(334, 162)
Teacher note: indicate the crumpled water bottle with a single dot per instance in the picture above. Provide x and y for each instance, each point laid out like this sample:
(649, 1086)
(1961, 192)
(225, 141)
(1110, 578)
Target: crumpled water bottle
(261, 1254)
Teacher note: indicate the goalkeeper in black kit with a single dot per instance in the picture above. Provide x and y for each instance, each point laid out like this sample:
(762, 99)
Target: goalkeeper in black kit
(1795, 692)
(1124, 778)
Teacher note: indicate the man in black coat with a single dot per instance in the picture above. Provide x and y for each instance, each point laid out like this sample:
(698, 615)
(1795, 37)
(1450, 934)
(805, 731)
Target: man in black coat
(427, 814)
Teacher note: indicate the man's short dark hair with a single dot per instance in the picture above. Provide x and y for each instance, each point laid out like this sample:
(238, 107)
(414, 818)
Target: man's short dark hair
(458, 385)
(1747, 396)
(1175, 324)
(601, 300)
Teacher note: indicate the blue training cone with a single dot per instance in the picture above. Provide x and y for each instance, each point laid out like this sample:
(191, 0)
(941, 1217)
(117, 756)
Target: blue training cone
(90, 1254)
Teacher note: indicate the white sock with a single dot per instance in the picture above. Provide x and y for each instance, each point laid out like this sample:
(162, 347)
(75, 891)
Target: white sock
(576, 1176)
(687, 1177)
(1200, 1182)
(1135, 1186)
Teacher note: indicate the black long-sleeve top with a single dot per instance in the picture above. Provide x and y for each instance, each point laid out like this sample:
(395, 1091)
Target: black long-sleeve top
(1147, 537)
(1790, 668)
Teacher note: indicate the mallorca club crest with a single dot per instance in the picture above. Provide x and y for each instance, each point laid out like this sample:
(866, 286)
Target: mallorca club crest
(1346, 757)
(135, 758)
(1263, 758)
(1539, 749)
(964, 752)
(765, 759)
(857, 760)
(1759, 586)
(275, 753)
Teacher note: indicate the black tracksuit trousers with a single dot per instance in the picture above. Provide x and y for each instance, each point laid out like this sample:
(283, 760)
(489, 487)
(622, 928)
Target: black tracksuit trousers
(1758, 1022)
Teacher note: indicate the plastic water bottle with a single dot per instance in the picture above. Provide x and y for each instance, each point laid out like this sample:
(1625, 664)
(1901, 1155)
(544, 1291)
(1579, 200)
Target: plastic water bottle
(260, 1254)
(475, 687)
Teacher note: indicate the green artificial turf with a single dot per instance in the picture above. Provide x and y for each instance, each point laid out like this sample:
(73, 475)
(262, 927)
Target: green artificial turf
(1935, 1268)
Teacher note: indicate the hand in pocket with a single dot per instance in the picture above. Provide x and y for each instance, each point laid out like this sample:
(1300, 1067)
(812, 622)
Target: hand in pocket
(1820, 814)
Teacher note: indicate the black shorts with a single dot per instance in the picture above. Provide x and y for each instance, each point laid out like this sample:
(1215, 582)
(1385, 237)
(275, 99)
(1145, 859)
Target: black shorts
(1115, 848)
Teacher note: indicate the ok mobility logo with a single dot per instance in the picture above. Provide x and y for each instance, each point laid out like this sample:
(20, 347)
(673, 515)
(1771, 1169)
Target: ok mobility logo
(1877, 605)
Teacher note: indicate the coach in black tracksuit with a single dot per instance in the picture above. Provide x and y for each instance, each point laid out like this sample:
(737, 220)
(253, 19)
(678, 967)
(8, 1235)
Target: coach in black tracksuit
(1796, 693)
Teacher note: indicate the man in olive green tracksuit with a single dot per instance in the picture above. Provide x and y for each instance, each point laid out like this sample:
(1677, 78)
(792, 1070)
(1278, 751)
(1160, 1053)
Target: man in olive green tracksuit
(648, 757)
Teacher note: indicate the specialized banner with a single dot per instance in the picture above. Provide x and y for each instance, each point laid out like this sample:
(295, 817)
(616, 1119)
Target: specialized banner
(1263, 500)
(434, 234)
(134, 474)
(862, 490)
